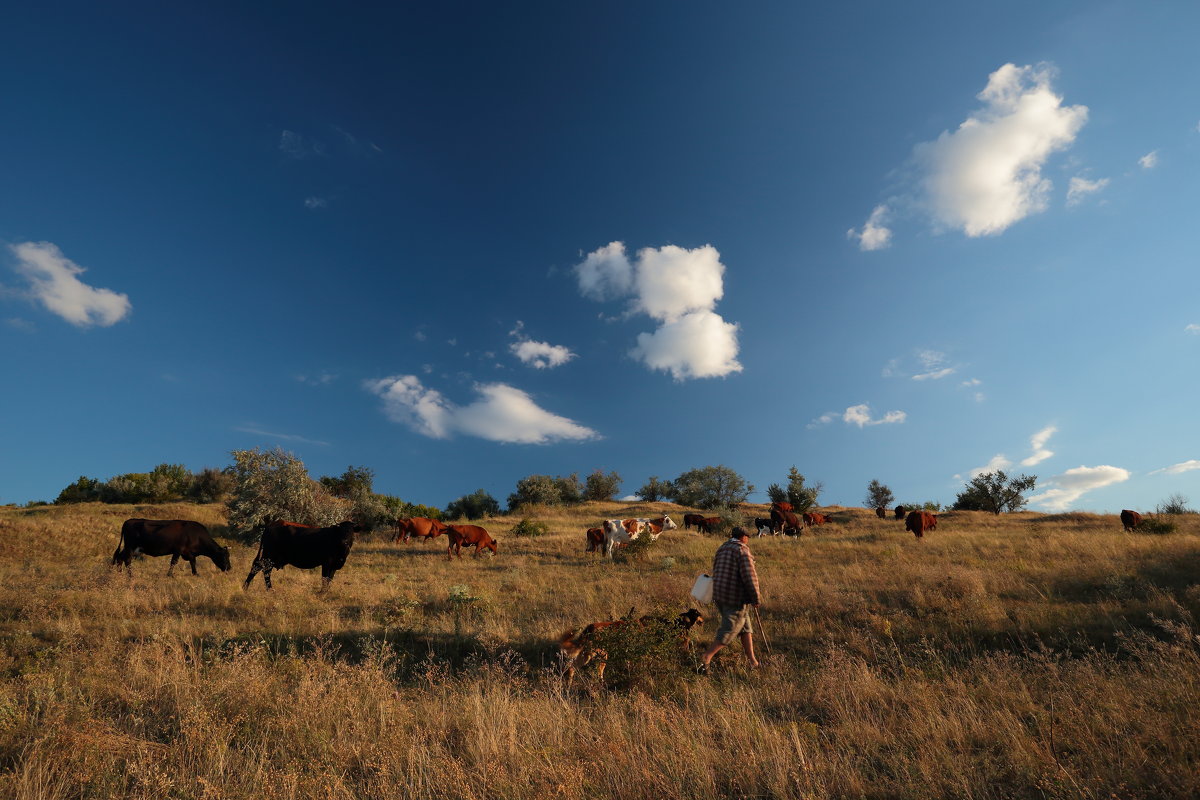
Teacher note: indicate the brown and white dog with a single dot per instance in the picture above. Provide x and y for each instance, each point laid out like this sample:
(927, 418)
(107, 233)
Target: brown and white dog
(582, 648)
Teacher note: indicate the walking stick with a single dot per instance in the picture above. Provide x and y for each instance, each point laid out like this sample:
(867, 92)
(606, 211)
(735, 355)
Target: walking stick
(762, 631)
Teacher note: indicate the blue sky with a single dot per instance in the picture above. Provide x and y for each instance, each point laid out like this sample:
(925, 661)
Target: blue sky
(464, 243)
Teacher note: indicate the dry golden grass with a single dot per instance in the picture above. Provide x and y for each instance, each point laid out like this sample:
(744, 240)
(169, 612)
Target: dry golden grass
(1017, 656)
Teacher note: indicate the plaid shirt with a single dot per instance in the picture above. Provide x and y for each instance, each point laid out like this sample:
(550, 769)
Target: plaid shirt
(735, 581)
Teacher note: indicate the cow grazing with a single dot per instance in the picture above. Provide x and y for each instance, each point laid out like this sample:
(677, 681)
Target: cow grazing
(586, 646)
(595, 540)
(1129, 520)
(426, 528)
(304, 547)
(469, 535)
(786, 521)
(881, 512)
(900, 512)
(782, 506)
(177, 538)
(692, 519)
(765, 522)
(814, 518)
(623, 531)
(920, 521)
(710, 524)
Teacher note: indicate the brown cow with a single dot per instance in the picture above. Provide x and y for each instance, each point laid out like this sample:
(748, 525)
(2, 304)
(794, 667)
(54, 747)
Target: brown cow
(900, 512)
(782, 506)
(177, 538)
(710, 524)
(1129, 519)
(814, 518)
(920, 521)
(468, 535)
(595, 540)
(786, 521)
(580, 649)
(692, 519)
(881, 512)
(426, 528)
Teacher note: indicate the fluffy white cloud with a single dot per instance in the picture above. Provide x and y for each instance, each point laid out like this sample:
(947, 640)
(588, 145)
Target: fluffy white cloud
(1080, 188)
(824, 419)
(1150, 160)
(502, 413)
(677, 287)
(987, 174)
(54, 282)
(860, 415)
(696, 345)
(1176, 469)
(998, 462)
(1037, 443)
(1193, 328)
(542, 355)
(875, 235)
(1074, 483)
(606, 273)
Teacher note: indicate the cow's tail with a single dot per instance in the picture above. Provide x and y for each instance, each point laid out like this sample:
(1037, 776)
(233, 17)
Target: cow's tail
(254, 565)
(120, 546)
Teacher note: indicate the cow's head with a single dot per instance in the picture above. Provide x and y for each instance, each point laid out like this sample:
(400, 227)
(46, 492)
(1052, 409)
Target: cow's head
(668, 524)
(222, 559)
(490, 544)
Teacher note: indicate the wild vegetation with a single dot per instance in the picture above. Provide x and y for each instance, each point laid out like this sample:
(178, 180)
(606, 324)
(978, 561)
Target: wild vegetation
(1021, 655)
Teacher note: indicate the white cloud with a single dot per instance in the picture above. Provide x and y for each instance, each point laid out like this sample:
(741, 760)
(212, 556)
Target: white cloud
(501, 414)
(677, 287)
(314, 202)
(1150, 160)
(1082, 187)
(998, 462)
(1176, 469)
(1074, 483)
(54, 282)
(971, 382)
(860, 415)
(986, 175)
(606, 273)
(875, 235)
(824, 419)
(934, 364)
(1193, 328)
(317, 380)
(697, 345)
(253, 428)
(293, 145)
(1038, 443)
(542, 355)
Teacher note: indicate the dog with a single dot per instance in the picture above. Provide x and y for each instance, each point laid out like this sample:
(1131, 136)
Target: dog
(582, 648)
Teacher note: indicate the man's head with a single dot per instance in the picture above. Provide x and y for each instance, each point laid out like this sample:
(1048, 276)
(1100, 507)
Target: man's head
(739, 533)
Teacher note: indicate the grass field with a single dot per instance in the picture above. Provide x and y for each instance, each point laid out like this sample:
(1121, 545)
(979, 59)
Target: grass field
(1026, 656)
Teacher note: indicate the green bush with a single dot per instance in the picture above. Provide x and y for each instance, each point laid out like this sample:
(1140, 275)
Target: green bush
(477, 505)
(640, 652)
(84, 490)
(530, 527)
(599, 486)
(710, 487)
(275, 485)
(1156, 525)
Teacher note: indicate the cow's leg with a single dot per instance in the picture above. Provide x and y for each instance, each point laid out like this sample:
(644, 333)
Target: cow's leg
(267, 575)
(327, 576)
(192, 562)
(254, 569)
(174, 561)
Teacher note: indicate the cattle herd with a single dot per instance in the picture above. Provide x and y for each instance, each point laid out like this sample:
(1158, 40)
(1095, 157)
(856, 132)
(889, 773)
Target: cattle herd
(284, 544)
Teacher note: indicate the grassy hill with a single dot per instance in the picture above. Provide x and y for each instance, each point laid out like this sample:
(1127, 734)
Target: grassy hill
(1025, 655)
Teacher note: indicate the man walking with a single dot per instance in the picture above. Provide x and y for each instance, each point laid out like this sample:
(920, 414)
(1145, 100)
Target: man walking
(735, 591)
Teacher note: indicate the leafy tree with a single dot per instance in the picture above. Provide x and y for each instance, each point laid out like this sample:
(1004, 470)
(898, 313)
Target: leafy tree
(355, 482)
(274, 484)
(879, 496)
(995, 492)
(476, 505)
(570, 491)
(710, 487)
(776, 493)
(655, 490)
(169, 482)
(211, 485)
(600, 486)
(132, 487)
(536, 490)
(84, 490)
(800, 496)
(1175, 504)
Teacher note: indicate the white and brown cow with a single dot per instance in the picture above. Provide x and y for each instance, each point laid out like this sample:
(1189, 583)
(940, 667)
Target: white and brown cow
(623, 531)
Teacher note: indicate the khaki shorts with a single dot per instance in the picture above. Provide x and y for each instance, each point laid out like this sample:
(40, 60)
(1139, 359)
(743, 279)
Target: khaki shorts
(735, 620)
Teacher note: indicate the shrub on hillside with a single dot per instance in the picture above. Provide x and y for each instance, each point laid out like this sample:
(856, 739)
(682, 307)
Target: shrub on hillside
(1156, 525)
(995, 492)
(642, 651)
(600, 486)
(879, 495)
(477, 505)
(211, 485)
(84, 490)
(530, 527)
(1175, 504)
(655, 490)
(275, 485)
(710, 487)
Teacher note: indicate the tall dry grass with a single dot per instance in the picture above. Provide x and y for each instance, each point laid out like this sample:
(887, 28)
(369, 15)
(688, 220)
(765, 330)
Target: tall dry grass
(1016, 656)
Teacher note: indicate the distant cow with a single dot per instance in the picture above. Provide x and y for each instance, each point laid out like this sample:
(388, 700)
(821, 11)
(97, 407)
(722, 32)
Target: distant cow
(469, 535)
(900, 512)
(692, 519)
(426, 528)
(623, 531)
(304, 547)
(782, 506)
(595, 540)
(177, 538)
(920, 521)
(881, 512)
(1129, 519)
(814, 518)
(785, 521)
(765, 522)
(710, 524)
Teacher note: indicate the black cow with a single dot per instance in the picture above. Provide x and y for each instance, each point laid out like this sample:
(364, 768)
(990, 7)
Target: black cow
(303, 547)
(177, 538)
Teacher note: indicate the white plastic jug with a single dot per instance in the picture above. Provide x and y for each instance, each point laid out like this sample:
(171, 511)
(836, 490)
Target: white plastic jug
(702, 589)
